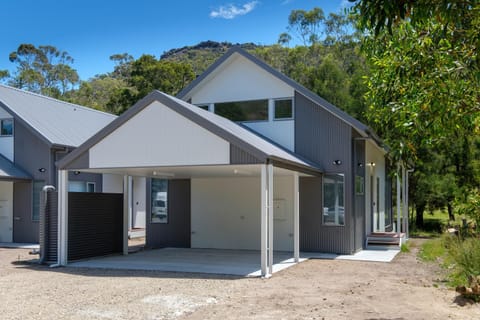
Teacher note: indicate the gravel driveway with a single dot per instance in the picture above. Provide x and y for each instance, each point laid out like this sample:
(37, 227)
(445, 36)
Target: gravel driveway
(317, 289)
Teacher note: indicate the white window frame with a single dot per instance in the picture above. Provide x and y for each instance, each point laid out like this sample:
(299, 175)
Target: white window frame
(274, 108)
(1, 127)
(326, 211)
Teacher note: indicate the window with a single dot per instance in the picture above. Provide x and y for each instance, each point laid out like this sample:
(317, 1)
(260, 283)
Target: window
(81, 186)
(359, 185)
(90, 187)
(254, 110)
(37, 189)
(159, 201)
(283, 109)
(203, 106)
(333, 199)
(6, 127)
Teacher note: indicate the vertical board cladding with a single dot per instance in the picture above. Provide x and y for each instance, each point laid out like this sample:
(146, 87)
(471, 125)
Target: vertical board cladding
(175, 233)
(31, 153)
(49, 227)
(359, 194)
(95, 224)
(314, 236)
(323, 138)
(25, 230)
(240, 156)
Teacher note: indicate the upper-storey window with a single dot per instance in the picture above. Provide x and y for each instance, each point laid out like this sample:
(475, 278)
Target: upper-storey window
(203, 106)
(6, 127)
(253, 110)
(283, 109)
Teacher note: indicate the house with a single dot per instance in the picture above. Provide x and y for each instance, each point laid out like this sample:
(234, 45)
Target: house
(288, 171)
(35, 132)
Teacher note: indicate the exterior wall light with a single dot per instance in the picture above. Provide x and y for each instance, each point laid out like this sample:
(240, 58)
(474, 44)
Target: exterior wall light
(42, 170)
(76, 173)
(337, 162)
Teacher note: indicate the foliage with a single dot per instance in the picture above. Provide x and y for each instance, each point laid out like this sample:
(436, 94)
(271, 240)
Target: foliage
(470, 206)
(465, 255)
(44, 70)
(423, 92)
(432, 250)
(307, 24)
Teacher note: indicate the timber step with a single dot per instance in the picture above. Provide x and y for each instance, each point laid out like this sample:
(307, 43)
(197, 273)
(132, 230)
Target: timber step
(385, 239)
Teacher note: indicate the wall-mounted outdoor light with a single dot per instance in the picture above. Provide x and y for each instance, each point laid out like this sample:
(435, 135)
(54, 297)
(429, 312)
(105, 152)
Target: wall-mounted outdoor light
(76, 173)
(337, 162)
(42, 169)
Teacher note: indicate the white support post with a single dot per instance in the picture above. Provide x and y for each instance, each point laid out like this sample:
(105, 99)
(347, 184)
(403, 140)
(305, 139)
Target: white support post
(62, 244)
(404, 199)
(263, 223)
(398, 200)
(126, 209)
(270, 218)
(130, 202)
(296, 218)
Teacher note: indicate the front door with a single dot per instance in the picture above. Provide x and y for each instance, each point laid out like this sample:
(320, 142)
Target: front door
(6, 212)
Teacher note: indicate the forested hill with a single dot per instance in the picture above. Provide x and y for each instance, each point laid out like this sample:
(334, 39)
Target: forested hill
(203, 54)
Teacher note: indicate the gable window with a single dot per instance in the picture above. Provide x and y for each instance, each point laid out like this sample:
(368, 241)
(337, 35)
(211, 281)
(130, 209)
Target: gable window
(333, 200)
(36, 190)
(159, 201)
(203, 106)
(283, 109)
(253, 110)
(6, 127)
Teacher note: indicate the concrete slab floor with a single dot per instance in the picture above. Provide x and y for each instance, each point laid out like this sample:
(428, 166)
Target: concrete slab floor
(19, 245)
(245, 263)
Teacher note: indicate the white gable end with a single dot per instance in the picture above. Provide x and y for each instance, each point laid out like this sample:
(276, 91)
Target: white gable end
(159, 136)
(238, 80)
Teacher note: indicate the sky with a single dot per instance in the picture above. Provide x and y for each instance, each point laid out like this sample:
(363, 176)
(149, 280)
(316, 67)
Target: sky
(93, 30)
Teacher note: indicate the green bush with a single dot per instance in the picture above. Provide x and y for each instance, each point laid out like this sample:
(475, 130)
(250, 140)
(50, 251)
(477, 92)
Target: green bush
(465, 255)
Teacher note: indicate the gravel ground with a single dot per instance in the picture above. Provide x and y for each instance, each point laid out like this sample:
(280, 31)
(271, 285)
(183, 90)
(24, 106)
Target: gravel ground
(317, 289)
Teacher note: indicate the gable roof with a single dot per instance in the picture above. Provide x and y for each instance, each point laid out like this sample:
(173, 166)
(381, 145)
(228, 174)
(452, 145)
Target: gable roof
(8, 171)
(184, 94)
(57, 122)
(235, 134)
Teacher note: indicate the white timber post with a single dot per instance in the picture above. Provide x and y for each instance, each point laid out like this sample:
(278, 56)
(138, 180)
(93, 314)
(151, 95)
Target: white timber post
(263, 223)
(126, 210)
(270, 218)
(404, 199)
(62, 244)
(398, 200)
(130, 202)
(296, 218)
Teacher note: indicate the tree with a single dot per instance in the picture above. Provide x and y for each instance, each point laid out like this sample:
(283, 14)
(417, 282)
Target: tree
(44, 70)
(423, 92)
(307, 24)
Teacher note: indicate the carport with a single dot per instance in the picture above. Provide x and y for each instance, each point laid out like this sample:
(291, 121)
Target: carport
(225, 165)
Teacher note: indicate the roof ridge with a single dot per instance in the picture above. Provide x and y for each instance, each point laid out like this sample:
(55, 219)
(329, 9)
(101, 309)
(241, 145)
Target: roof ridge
(55, 100)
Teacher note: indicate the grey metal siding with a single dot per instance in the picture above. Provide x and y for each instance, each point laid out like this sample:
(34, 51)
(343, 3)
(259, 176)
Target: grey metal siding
(25, 230)
(323, 138)
(49, 227)
(30, 154)
(240, 156)
(314, 236)
(95, 224)
(175, 233)
(359, 168)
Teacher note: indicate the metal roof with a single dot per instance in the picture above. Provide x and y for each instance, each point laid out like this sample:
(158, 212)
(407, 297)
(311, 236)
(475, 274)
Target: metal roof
(58, 122)
(235, 134)
(8, 171)
(359, 126)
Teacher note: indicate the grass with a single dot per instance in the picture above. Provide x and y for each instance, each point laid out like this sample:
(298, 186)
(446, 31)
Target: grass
(432, 250)
(434, 223)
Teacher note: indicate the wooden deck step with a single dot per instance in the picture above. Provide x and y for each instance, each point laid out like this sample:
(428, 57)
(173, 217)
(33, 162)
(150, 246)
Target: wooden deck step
(385, 239)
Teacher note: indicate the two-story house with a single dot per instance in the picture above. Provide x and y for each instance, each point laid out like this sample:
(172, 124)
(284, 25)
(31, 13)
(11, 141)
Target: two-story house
(244, 158)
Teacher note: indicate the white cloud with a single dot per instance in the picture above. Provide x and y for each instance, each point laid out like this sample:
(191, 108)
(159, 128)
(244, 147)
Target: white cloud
(230, 11)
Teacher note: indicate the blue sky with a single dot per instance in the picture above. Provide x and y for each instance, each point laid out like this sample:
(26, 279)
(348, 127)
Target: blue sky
(92, 30)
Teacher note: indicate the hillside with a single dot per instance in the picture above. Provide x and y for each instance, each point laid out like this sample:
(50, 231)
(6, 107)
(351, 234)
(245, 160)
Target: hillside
(203, 54)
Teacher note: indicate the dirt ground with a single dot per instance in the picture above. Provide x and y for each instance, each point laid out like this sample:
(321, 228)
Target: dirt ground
(317, 289)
